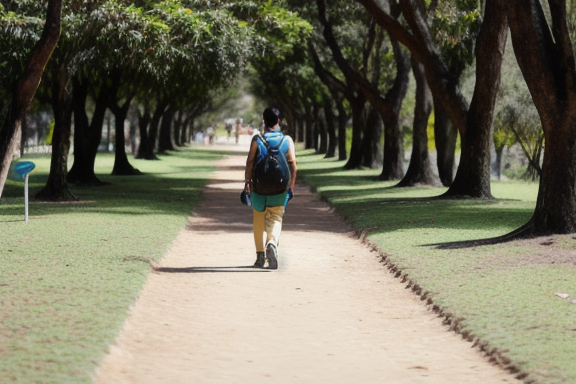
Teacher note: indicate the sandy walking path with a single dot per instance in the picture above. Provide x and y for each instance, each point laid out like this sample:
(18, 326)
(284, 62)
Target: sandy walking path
(331, 313)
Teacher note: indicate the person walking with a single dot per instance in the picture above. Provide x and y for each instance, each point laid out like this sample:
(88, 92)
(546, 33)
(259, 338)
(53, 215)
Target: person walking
(269, 187)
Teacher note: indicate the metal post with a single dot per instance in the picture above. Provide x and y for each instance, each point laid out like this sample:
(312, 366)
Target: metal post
(26, 198)
(19, 171)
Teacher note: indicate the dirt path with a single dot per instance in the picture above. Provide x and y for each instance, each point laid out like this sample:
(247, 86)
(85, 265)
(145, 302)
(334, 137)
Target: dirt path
(332, 313)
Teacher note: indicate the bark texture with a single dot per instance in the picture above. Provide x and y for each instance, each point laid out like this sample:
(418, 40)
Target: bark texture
(473, 175)
(87, 134)
(56, 188)
(26, 87)
(546, 58)
(419, 171)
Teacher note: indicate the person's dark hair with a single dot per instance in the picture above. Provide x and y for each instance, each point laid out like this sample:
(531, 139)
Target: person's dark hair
(271, 116)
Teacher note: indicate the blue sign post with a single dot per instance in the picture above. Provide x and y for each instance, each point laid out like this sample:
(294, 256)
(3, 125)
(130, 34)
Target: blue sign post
(19, 171)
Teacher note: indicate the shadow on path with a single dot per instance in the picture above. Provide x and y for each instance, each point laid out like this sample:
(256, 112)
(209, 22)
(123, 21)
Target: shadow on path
(244, 268)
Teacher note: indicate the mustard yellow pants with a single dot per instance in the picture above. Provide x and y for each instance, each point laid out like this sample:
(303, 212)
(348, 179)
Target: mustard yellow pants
(267, 226)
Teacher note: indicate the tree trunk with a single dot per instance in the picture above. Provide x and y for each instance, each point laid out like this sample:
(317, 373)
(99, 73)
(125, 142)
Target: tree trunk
(330, 129)
(319, 130)
(393, 164)
(336, 88)
(56, 188)
(445, 137)
(178, 127)
(555, 210)
(133, 131)
(309, 142)
(122, 166)
(546, 59)
(185, 129)
(473, 174)
(27, 85)
(358, 90)
(144, 118)
(147, 149)
(498, 162)
(444, 84)
(389, 108)
(342, 123)
(190, 126)
(322, 136)
(87, 136)
(419, 171)
(165, 140)
(81, 132)
(300, 129)
(371, 149)
(24, 131)
(154, 129)
(358, 122)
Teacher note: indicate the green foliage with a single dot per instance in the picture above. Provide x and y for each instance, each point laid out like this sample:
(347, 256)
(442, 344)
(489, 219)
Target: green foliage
(502, 137)
(140, 41)
(517, 120)
(232, 103)
(152, 43)
(278, 31)
(180, 50)
(455, 26)
(19, 34)
(69, 275)
(430, 133)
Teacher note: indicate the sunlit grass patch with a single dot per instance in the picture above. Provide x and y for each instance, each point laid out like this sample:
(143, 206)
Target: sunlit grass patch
(69, 275)
(502, 294)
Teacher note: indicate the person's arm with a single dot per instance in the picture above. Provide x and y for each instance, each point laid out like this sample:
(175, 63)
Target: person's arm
(250, 165)
(291, 159)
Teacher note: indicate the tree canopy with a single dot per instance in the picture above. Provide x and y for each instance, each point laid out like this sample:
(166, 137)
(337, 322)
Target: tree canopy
(322, 63)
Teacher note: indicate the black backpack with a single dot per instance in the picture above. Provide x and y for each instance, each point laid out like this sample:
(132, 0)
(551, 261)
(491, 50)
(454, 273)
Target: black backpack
(271, 174)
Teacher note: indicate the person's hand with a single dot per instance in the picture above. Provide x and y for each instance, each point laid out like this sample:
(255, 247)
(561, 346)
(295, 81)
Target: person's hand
(247, 187)
(290, 194)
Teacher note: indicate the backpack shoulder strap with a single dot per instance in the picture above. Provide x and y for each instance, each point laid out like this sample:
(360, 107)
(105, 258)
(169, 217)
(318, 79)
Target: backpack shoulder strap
(261, 137)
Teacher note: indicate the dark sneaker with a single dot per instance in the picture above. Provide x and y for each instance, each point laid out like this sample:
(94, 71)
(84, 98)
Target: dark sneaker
(260, 259)
(272, 256)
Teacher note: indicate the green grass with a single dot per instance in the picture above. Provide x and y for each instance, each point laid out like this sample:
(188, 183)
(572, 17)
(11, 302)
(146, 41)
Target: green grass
(69, 275)
(501, 294)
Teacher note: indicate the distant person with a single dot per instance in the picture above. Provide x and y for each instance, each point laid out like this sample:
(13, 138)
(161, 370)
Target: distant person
(238, 130)
(269, 191)
(199, 137)
(229, 128)
(210, 133)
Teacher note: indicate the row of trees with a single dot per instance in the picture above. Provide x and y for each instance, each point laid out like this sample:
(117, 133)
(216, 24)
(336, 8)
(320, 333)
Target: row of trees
(163, 59)
(437, 41)
(543, 43)
(324, 63)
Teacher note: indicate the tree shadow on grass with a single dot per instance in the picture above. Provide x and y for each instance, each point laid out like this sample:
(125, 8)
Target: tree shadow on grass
(378, 214)
(522, 233)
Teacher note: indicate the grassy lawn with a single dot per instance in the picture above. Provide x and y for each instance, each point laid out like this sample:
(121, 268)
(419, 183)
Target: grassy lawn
(69, 275)
(500, 297)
